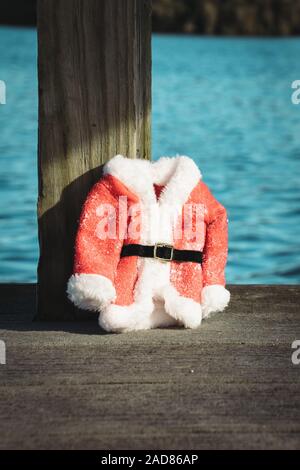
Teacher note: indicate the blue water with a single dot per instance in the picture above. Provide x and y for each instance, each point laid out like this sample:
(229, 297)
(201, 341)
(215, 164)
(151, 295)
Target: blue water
(224, 102)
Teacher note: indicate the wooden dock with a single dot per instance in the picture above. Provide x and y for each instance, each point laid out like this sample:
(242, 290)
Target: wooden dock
(229, 384)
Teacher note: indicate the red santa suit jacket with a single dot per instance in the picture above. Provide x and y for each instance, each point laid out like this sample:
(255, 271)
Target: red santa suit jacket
(137, 201)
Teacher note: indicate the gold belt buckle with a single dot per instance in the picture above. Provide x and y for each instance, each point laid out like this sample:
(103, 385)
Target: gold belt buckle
(163, 245)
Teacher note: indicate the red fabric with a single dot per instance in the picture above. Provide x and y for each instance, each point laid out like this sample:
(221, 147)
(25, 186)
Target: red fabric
(216, 240)
(96, 256)
(158, 189)
(187, 277)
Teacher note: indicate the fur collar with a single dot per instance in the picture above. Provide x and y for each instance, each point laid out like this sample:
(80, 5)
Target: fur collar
(179, 176)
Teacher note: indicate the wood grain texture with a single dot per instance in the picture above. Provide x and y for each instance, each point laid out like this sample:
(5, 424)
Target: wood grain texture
(229, 384)
(94, 102)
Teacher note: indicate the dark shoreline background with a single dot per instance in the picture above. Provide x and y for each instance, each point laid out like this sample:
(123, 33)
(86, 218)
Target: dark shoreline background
(212, 17)
(18, 12)
(227, 17)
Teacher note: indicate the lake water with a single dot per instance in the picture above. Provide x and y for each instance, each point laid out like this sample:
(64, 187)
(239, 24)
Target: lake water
(224, 102)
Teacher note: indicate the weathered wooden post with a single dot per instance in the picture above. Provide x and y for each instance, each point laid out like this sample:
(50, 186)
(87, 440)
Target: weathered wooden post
(94, 102)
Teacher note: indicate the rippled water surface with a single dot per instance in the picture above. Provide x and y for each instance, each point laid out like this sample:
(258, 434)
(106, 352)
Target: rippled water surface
(224, 102)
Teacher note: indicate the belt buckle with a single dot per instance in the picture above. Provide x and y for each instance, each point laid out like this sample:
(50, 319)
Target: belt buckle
(163, 245)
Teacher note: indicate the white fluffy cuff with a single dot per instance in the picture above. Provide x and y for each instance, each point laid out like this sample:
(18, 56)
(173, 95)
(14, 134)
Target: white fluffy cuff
(214, 299)
(90, 291)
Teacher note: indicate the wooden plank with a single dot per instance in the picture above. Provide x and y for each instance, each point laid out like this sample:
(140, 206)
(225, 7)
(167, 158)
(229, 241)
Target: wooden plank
(229, 384)
(94, 102)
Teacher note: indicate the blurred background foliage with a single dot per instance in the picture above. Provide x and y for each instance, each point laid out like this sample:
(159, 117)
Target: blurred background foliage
(227, 17)
(212, 17)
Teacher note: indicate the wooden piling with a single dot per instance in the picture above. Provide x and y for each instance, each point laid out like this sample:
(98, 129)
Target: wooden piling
(94, 66)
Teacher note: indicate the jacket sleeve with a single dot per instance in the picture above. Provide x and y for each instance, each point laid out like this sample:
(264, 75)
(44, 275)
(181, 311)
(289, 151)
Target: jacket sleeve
(97, 249)
(214, 295)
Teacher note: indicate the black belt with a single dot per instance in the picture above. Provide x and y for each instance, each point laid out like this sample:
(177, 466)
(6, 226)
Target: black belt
(162, 252)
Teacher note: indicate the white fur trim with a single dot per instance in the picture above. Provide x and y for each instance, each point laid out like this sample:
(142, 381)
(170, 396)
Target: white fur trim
(215, 298)
(160, 317)
(176, 311)
(178, 174)
(184, 310)
(90, 291)
(121, 319)
(172, 309)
